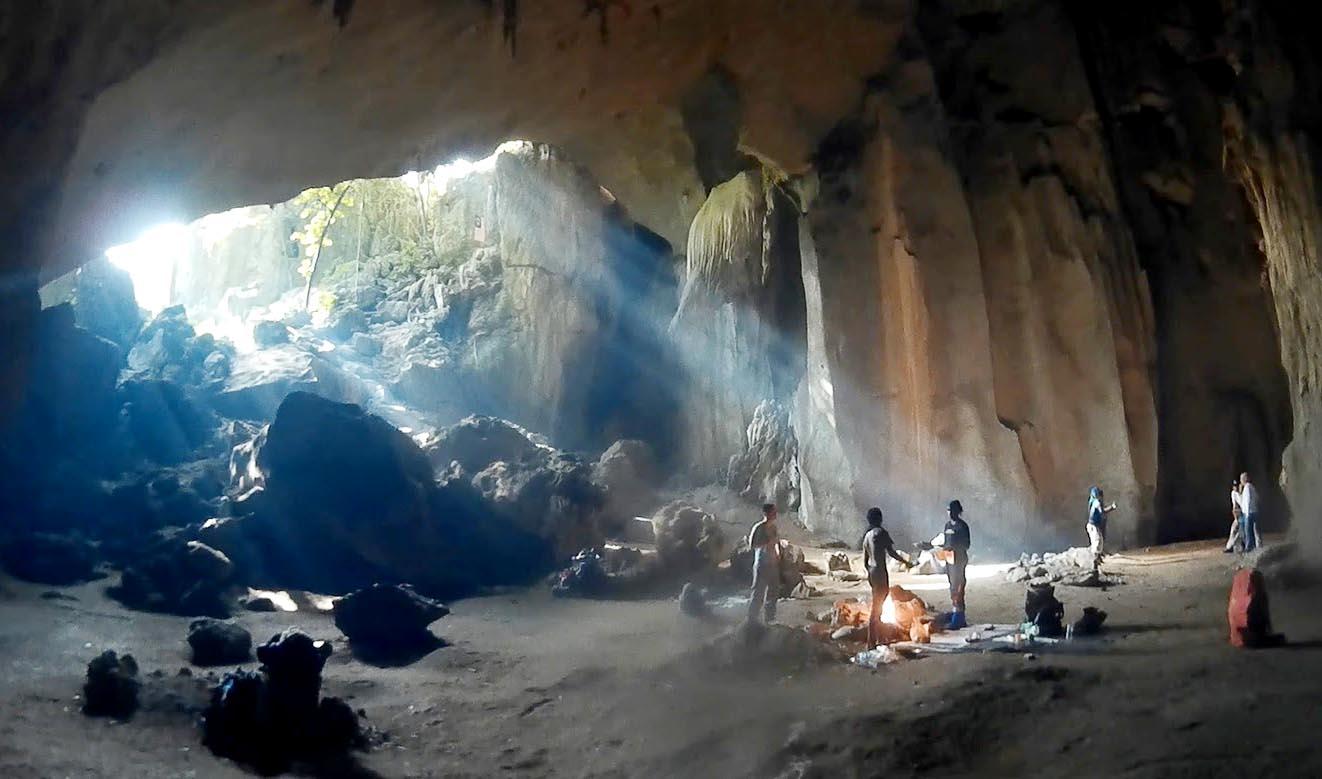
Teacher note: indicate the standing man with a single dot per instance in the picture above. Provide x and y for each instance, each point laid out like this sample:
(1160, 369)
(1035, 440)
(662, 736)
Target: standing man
(764, 540)
(876, 545)
(1097, 512)
(957, 541)
(1248, 510)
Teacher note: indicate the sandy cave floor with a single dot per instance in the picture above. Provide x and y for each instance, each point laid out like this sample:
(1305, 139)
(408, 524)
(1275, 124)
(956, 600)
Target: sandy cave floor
(534, 686)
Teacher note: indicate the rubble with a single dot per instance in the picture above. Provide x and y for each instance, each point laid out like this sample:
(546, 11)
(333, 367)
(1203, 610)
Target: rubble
(838, 561)
(112, 686)
(1077, 567)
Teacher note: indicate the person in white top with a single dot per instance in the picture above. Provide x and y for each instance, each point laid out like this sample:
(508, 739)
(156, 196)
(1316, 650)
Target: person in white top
(1248, 512)
(1236, 517)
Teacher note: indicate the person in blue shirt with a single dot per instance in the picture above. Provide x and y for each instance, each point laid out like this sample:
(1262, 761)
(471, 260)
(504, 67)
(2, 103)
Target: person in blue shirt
(957, 541)
(1097, 512)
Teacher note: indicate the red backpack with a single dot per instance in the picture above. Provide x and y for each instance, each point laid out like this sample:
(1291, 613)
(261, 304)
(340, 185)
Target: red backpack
(1249, 614)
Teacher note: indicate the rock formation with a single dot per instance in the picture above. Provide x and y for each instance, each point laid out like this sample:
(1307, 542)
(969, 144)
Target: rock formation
(961, 279)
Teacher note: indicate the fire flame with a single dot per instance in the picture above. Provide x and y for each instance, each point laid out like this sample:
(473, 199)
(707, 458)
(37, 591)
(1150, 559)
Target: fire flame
(888, 611)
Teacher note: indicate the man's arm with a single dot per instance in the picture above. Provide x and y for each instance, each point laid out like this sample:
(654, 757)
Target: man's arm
(890, 550)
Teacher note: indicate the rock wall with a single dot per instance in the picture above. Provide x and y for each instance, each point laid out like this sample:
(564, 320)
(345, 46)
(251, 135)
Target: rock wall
(1034, 260)
(738, 328)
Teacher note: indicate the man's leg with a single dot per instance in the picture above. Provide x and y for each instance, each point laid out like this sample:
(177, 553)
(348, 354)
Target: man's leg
(757, 596)
(955, 575)
(1234, 534)
(1250, 532)
(1094, 539)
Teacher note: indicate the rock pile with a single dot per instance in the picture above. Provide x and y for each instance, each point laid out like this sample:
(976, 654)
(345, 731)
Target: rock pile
(276, 717)
(168, 348)
(1077, 566)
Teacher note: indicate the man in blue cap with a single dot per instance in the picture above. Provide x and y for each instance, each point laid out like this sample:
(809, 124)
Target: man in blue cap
(956, 542)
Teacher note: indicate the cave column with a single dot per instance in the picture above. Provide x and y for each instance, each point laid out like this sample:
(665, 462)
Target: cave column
(899, 365)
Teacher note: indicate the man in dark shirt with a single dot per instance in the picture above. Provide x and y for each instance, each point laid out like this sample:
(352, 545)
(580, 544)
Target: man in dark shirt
(764, 540)
(957, 543)
(876, 545)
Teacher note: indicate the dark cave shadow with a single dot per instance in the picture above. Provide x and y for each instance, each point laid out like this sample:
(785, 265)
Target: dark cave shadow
(398, 656)
(345, 767)
(1312, 643)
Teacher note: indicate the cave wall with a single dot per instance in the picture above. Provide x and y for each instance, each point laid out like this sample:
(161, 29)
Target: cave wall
(1032, 237)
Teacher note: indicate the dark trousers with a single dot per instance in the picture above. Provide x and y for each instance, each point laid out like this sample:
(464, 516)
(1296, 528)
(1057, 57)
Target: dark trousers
(766, 589)
(881, 590)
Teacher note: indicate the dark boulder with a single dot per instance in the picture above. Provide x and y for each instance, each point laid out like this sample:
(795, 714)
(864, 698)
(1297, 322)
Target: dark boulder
(165, 424)
(104, 303)
(173, 575)
(47, 558)
(275, 717)
(627, 474)
(348, 497)
(217, 642)
(347, 501)
(112, 685)
(552, 497)
(388, 620)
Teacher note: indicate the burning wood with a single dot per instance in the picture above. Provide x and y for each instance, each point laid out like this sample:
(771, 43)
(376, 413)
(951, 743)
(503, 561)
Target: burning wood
(903, 615)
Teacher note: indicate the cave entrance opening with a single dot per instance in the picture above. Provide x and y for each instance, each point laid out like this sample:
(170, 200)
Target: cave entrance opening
(513, 286)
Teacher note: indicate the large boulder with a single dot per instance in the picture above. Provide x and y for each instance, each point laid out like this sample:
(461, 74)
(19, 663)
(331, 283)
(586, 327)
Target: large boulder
(478, 441)
(259, 382)
(47, 558)
(218, 642)
(552, 497)
(688, 539)
(627, 473)
(174, 575)
(388, 619)
(270, 332)
(104, 303)
(165, 424)
(767, 470)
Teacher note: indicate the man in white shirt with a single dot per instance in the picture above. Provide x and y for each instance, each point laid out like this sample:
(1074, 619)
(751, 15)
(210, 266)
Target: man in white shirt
(1248, 512)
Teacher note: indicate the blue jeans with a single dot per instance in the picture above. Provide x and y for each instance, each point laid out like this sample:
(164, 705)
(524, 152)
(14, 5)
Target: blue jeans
(1248, 531)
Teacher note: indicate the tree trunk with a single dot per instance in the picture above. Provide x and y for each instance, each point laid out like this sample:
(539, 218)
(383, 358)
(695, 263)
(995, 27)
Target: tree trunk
(316, 258)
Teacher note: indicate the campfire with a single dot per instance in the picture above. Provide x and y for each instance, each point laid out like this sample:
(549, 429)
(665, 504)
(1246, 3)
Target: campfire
(904, 616)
